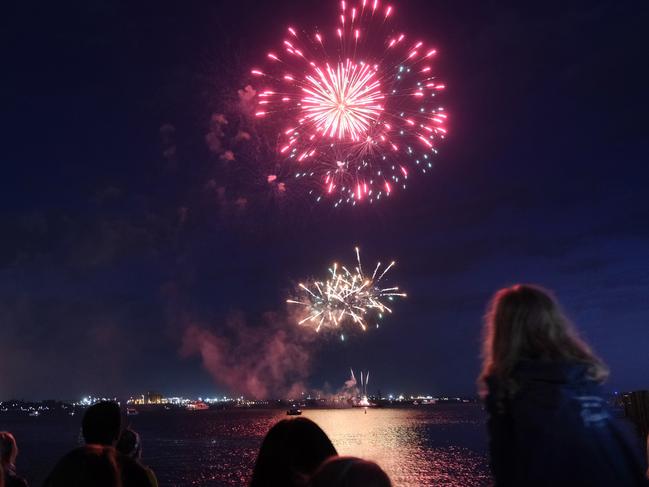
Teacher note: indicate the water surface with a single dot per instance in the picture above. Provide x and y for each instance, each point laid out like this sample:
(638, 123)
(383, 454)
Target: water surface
(432, 445)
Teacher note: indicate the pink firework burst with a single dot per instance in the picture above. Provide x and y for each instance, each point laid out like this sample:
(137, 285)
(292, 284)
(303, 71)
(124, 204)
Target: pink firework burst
(342, 102)
(357, 110)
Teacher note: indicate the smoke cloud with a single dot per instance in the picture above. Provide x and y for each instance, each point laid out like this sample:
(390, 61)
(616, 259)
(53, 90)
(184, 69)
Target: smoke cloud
(214, 137)
(228, 155)
(351, 382)
(246, 99)
(260, 362)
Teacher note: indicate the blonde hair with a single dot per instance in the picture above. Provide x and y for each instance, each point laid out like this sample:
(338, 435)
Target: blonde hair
(525, 322)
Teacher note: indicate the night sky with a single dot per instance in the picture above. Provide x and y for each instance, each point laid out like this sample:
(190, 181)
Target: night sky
(123, 225)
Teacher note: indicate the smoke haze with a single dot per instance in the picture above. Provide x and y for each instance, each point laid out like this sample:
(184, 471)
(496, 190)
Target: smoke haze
(271, 360)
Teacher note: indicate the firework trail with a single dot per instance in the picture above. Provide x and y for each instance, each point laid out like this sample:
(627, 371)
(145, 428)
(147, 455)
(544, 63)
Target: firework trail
(355, 104)
(347, 296)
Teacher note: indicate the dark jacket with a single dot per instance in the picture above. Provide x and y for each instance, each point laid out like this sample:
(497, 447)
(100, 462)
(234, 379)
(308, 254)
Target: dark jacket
(557, 430)
(133, 473)
(12, 480)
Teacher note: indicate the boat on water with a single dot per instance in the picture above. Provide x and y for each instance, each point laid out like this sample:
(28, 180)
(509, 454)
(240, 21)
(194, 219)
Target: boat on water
(132, 412)
(197, 406)
(34, 414)
(294, 412)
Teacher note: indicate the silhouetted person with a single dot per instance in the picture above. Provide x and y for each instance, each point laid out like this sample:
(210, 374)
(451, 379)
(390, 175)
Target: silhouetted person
(647, 451)
(349, 472)
(102, 425)
(290, 453)
(8, 454)
(548, 423)
(86, 466)
(129, 444)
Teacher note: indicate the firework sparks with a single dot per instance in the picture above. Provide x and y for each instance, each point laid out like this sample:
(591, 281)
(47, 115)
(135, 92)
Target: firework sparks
(347, 296)
(356, 107)
(342, 103)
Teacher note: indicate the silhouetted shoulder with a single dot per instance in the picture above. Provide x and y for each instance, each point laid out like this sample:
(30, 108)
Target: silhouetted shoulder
(349, 472)
(133, 473)
(15, 481)
(94, 465)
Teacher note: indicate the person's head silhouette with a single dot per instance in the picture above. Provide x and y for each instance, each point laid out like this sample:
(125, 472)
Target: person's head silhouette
(290, 452)
(102, 424)
(129, 444)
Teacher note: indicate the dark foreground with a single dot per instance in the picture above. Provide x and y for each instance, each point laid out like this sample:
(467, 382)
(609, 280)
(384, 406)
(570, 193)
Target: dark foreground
(432, 445)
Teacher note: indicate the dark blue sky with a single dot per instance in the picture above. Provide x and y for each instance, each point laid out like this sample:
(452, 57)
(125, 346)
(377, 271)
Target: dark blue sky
(121, 228)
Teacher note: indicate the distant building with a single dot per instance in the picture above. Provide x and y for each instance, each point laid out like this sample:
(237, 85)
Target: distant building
(148, 398)
(153, 398)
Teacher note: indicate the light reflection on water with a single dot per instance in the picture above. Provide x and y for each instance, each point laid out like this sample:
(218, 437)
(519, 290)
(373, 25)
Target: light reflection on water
(433, 445)
(440, 445)
(414, 446)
